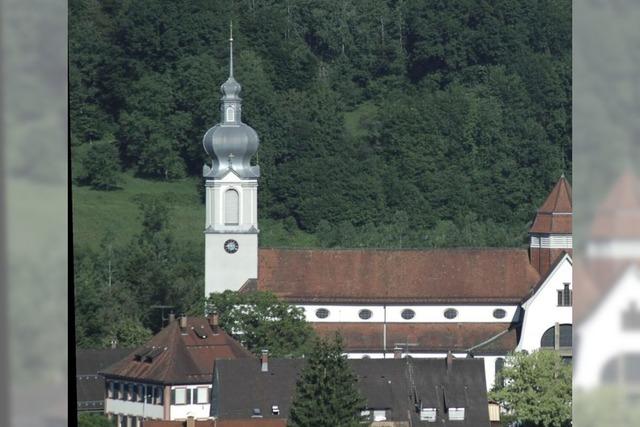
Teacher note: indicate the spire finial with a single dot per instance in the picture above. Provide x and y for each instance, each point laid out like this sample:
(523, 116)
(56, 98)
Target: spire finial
(230, 48)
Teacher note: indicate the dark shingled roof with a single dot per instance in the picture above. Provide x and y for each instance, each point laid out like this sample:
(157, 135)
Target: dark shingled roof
(368, 337)
(555, 214)
(176, 356)
(416, 276)
(90, 385)
(397, 385)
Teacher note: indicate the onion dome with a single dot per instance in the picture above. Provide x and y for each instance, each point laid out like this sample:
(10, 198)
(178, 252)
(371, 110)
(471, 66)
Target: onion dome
(231, 143)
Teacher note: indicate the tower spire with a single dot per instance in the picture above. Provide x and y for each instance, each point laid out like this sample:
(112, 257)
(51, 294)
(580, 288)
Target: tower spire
(230, 48)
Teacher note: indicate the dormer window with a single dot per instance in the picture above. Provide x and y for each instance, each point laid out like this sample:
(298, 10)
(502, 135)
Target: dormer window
(428, 415)
(456, 414)
(275, 410)
(231, 114)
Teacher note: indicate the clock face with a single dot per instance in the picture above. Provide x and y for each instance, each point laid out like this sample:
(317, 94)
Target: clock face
(231, 246)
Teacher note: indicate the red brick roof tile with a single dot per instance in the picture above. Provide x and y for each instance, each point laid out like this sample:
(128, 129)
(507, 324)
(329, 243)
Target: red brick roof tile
(423, 337)
(182, 356)
(417, 276)
(555, 214)
(619, 215)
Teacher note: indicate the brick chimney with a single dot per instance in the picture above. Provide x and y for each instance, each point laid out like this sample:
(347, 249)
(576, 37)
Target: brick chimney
(264, 361)
(397, 353)
(191, 421)
(213, 322)
(183, 322)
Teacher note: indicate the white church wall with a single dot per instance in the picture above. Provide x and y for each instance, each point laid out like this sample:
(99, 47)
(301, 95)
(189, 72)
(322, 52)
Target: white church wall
(423, 313)
(229, 271)
(601, 337)
(541, 311)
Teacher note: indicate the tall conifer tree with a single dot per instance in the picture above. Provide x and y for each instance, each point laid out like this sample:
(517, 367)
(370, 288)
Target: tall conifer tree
(326, 393)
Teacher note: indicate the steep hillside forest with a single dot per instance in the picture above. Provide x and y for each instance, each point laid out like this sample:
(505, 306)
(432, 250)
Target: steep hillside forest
(383, 123)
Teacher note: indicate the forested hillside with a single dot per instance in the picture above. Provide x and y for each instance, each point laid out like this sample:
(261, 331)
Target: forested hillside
(388, 123)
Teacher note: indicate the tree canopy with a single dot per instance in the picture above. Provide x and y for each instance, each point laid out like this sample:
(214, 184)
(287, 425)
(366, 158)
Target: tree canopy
(535, 389)
(260, 321)
(455, 115)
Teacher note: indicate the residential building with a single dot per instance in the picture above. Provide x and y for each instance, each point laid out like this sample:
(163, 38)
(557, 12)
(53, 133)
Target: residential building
(89, 383)
(169, 377)
(443, 391)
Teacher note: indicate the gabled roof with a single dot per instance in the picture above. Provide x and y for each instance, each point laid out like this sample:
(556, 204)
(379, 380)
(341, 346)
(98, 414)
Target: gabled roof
(555, 214)
(397, 385)
(179, 356)
(368, 337)
(89, 384)
(619, 214)
(396, 276)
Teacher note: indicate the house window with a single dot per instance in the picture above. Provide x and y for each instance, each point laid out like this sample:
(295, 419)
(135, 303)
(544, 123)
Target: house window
(379, 415)
(231, 114)
(232, 207)
(134, 392)
(456, 414)
(149, 393)
(499, 313)
(322, 313)
(180, 396)
(203, 395)
(428, 414)
(365, 314)
(451, 313)
(499, 381)
(116, 391)
(408, 314)
(565, 297)
(558, 336)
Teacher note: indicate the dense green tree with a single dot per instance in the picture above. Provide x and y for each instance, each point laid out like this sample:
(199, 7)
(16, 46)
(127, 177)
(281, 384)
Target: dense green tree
(101, 166)
(326, 393)
(94, 420)
(260, 321)
(536, 389)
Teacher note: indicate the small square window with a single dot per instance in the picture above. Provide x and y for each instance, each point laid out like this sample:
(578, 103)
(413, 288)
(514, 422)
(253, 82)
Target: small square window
(181, 396)
(203, 395)
(456, 414)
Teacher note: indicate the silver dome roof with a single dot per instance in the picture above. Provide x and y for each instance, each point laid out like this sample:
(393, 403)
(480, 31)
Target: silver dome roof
(231, 143)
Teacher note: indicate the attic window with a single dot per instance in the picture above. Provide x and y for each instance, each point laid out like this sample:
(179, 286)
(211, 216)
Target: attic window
(256, 413)
(275, 410)
(322, 313)
(456, 414)
(379, 415)
(451, 313)
(499, 313)
(428, 414)
(408, 314)
(365, 314)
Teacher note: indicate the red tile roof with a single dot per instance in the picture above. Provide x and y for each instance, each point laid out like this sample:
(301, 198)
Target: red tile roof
(417, 276)
(555, 214)
(619, 215)
(179, 356)
(423, 337)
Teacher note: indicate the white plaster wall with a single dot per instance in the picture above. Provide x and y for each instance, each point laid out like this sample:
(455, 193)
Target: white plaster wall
(541, 311)
(424, 313)
(229, 271)
(198, 411)
(136, 409)
(614, 249)
(601, 337)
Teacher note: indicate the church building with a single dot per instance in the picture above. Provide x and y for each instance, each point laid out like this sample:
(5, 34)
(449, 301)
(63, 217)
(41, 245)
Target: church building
(477, 302)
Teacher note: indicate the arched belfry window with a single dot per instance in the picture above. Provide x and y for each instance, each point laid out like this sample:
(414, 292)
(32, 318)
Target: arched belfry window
(231, 114)
(231, 207)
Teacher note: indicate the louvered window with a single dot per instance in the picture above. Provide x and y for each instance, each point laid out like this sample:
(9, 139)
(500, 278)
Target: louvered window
(232, 208)
(231, 114)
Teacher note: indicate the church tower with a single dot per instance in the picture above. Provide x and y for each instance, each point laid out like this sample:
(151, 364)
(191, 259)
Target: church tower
(231, 194)
(550, 235)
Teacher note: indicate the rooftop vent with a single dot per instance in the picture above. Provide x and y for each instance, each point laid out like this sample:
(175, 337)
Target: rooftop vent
(256, 413)
(200, 332)
(275, 410)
